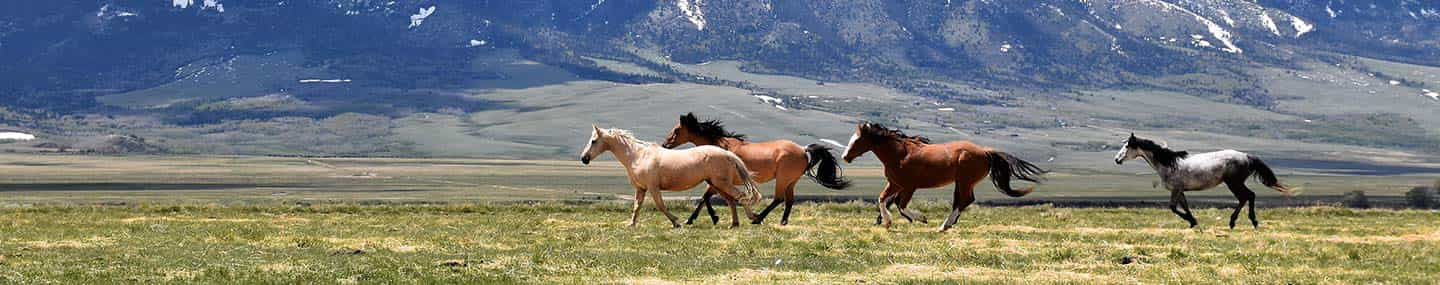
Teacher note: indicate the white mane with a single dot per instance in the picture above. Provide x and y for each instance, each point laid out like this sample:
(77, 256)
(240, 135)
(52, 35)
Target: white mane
(626, 135)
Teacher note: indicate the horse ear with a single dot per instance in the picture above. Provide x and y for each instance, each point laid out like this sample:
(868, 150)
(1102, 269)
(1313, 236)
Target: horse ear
(688, 119)
(597, 128)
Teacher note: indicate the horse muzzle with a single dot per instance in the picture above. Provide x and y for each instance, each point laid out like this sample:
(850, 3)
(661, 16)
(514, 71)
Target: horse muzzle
(585, 160)
(1119, 162)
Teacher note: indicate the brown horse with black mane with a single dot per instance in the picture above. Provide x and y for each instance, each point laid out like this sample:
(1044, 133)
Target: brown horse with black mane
(779, 160)
(912, 162)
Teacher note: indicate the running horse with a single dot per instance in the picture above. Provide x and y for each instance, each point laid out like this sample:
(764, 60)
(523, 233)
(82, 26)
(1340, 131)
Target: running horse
(912, 162)
(781, 160)
(1180, 171)
(653, 169)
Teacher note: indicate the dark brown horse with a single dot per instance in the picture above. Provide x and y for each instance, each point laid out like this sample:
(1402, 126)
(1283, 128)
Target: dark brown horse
(779, 160)
(911, 163)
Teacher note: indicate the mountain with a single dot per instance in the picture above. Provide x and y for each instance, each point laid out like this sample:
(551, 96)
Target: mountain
(200, 68)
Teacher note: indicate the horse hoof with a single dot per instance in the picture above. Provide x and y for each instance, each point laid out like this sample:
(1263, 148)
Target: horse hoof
(784, 223)
(756, 222)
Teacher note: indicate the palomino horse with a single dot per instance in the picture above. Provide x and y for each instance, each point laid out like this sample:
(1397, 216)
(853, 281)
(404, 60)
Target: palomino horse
(779, 160)
(1181, 171)
(913, 163)
(653, 169)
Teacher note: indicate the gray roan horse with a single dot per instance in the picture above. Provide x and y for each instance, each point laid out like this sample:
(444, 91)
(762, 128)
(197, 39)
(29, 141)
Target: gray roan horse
(1181, 171)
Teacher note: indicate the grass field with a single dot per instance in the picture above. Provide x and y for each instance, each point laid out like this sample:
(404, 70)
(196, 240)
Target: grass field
(825, 243)
(70, 219)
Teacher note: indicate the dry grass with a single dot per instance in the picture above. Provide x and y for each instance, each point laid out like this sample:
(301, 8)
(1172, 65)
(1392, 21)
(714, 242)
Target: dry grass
(826, 243)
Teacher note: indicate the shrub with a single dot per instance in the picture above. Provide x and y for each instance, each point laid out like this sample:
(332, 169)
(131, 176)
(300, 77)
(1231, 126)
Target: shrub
(1423, 198)
(1355, 199)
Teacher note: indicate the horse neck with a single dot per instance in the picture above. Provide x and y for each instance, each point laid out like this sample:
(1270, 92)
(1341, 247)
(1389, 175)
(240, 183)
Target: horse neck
(891, 151)
(1149, 158)
(628, 151)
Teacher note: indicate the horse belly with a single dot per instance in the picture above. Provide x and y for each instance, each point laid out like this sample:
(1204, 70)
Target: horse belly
(920, 176)
(1197, 182)
(672, 176)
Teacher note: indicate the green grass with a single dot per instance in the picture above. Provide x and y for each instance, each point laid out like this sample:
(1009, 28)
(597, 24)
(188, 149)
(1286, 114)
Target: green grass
(830, 243)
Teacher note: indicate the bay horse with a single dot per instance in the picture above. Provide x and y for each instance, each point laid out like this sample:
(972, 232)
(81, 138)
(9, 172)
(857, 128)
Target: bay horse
(653, 169)
(781, 160)
(1181, 171)
(912, 162)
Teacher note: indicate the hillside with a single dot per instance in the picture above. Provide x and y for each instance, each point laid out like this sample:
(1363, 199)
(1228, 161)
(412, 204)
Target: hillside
(1328, 80)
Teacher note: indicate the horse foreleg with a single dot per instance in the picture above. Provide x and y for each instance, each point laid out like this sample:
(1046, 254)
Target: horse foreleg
(886, 197)
(1177, 198)
(635, 210)
(903, 200)
(660, 204)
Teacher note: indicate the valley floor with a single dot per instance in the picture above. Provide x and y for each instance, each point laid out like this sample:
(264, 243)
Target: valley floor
(824, 243)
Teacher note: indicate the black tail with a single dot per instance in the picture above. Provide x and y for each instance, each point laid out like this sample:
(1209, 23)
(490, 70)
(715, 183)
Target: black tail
(1003, 166)
(829, 173)
(1266, 176)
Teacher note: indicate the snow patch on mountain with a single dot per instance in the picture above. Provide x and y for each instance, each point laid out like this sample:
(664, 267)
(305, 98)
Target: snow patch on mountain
(1269, 24)
(1215, 30)
(693, 13)
(1301, 27)
(419, 18)
(15, 136)
(206, 4)
(1226, 16)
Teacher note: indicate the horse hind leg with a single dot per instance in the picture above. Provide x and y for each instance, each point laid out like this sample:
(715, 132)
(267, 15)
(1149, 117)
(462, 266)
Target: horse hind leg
(964, 196)
(1253, 221)
(789, 201)
(760, 219)
(704, 203)
(1244, 195)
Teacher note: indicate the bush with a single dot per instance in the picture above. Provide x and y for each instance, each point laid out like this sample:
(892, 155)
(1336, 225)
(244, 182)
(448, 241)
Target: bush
(1355, 199)
(1423, 198)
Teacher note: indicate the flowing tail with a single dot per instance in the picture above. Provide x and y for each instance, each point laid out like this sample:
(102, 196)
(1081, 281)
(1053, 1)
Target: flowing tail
(829, 173)
(1267, 176)
(752, 193)
(1003, 166)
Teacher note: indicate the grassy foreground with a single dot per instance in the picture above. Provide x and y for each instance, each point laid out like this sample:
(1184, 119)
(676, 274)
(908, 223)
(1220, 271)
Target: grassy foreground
(826, 243)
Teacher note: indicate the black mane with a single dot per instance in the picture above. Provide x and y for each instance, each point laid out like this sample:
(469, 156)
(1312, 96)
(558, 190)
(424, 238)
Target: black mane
(711, 129)
(876, 130)
(1161, 155)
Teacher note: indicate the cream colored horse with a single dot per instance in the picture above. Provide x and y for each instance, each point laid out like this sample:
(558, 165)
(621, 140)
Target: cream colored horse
(653, 169)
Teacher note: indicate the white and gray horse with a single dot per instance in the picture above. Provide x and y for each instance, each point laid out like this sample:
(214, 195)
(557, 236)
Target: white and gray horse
(1181, 171)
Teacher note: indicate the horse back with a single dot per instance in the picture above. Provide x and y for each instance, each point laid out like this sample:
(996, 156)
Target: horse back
(770, 158)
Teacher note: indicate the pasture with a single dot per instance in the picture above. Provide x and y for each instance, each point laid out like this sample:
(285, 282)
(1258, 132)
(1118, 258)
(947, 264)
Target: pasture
(184, 219)
(826, 243)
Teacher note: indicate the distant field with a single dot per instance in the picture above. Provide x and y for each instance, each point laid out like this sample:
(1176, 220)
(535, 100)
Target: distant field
(248, 180)
(829, 243)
